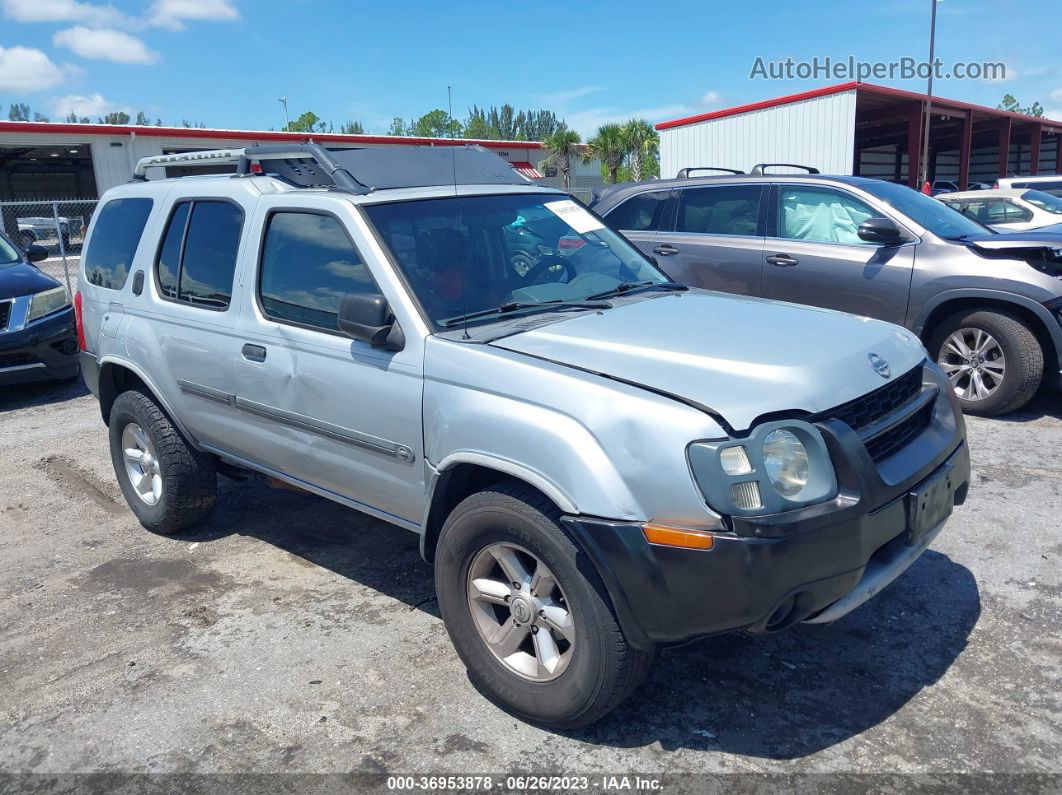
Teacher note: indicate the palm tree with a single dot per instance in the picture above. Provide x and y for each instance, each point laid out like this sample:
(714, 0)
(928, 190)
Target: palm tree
(642, 143)
(608, 145)
(562, 146)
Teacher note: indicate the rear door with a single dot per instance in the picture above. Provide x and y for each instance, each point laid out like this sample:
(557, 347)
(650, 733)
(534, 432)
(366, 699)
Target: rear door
(641, 217)
(717, 242)
(813, 255)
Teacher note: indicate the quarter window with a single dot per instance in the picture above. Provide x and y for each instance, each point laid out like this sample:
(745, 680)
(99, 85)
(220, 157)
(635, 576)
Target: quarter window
(722, 210)
(115, 237)
(821, 216)
(197, 259)
(641, 213)
(308, 265)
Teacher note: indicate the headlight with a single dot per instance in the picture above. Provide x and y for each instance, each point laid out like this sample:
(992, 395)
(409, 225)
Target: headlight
(45, 303)
(779, 466)
(786, 461)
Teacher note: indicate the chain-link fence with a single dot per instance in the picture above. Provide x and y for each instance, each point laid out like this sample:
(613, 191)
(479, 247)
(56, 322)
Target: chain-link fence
(59, 226)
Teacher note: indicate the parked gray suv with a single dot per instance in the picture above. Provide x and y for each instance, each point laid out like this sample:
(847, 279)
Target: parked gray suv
(987, 306)
(598, 461)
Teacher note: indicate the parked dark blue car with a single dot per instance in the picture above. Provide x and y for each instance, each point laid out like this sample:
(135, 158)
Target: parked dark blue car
(38, 336)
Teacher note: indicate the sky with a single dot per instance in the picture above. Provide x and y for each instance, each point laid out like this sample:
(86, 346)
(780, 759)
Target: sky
(225, 63)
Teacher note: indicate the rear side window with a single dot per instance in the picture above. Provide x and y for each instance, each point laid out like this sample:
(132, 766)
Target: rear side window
(644, 212)
(722, 210)
(115, 237)
(308, 265)
(197, 259)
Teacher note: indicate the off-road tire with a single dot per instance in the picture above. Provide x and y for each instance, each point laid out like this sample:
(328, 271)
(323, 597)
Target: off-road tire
(604, 668)
(1023, 354)
(189, 477)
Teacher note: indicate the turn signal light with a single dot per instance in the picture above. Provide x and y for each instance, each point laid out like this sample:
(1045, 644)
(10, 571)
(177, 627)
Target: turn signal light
(674, 537)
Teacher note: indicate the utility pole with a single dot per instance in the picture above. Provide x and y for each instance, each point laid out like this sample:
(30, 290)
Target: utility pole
(929, 94)
(287, 122)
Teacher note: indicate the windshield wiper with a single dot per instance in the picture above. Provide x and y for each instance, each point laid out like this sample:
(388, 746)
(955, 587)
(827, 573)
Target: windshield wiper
(515, 306)
(626, 287)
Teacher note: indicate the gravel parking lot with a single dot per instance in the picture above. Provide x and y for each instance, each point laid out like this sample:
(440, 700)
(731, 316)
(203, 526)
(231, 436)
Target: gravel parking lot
(290, 635)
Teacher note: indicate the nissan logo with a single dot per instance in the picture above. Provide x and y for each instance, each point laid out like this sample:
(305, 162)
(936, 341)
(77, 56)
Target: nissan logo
(881, 367)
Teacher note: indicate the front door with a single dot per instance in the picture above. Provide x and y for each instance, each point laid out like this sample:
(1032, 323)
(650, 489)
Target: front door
(815, 256)
(323, 408)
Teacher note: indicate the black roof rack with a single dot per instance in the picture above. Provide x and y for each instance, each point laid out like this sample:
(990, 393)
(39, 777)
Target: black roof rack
(358, 170)
(758, 169)
(684, 173)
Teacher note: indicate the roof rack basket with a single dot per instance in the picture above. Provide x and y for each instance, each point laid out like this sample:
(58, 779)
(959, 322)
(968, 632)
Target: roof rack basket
(684, 173)
(759, 170)
(339, 176)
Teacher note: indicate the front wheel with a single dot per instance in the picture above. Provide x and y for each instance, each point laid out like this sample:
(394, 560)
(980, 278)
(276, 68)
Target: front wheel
(537, 635)
(993, 360)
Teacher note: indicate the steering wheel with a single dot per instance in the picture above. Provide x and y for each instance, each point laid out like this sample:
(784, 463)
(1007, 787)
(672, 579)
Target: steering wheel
(546, 263)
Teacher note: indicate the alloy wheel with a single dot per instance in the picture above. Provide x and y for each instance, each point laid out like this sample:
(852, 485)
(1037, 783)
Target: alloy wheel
(142, 464)
(974, 363)
(520, 612)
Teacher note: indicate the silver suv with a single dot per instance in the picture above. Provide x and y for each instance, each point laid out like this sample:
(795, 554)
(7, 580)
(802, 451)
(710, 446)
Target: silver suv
(986, 305)
(598, 461)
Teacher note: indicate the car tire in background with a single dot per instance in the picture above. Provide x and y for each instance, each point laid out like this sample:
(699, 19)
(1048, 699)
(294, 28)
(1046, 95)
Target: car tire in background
(28, 238)
(536, 632)
(992, 358)
(168, 484)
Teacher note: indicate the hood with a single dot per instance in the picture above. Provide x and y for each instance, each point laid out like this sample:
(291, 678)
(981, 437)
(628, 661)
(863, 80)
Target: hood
(1044, 243)
(23, 279)
(739, 357)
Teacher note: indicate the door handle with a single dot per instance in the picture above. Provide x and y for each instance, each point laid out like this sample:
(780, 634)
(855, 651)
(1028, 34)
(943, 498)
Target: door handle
(665, 250)
(253, 353)
(782, 260)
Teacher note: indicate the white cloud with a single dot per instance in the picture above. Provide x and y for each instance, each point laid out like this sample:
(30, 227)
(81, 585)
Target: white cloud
(24, 70)
(172, 14)
(62, 11)
(105, 44)
(712, 99)
(1056, 94)
(93, 106)
(1053, 113)
(563, 97)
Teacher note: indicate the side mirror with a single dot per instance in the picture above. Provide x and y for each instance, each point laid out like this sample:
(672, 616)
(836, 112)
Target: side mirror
(35, 253)
(367, 317)
(880, 230)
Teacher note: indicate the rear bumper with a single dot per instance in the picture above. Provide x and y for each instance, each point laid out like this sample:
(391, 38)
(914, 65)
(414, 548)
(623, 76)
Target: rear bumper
(816, 563)
(44, 350)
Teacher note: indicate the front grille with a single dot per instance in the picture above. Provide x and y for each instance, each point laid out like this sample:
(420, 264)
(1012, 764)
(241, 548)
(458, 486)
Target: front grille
(880, 403)
(863, 412)
(16, 359)
(5, 314)
(889, 441)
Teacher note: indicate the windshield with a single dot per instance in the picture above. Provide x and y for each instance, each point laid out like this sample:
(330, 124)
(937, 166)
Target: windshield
(1045, 201)
(937, 217)
(473, 254)
(8, 253)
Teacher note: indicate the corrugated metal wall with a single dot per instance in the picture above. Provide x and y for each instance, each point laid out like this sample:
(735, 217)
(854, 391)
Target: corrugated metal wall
(817, 132)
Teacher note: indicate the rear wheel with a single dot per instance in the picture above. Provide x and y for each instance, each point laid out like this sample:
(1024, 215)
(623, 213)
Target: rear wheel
(168, 484)
(538, 636)
(992, 359)
(28, 239)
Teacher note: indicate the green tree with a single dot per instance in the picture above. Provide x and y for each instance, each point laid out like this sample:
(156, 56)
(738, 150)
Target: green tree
(40, 117)
(398, 126)
(436, 124)
(117, 117)
(476, 126)
(561, 147)
(610, 147)
(19, 112)
(1010, 103)
(308, 122)
(142, 119)
(352, 128)
(642, 144)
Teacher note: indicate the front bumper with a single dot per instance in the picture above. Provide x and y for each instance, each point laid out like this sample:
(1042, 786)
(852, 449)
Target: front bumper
(44, 350)
(815, 563)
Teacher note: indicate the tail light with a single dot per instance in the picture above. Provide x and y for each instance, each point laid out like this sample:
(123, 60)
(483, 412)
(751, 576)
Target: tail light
(80, 322)
(570, 243)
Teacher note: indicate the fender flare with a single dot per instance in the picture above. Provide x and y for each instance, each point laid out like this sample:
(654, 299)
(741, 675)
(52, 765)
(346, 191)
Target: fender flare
(1000, 296)
(156, 394)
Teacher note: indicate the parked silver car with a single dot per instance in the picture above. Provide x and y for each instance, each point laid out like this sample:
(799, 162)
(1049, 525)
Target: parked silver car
(987, 306)
(1009, 209)
(599, 461)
